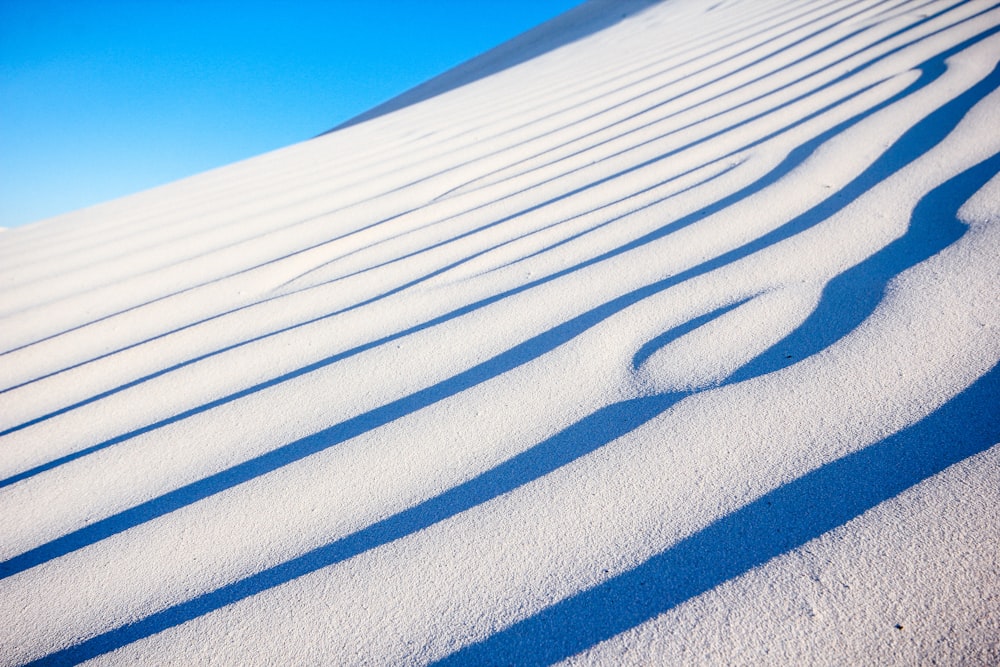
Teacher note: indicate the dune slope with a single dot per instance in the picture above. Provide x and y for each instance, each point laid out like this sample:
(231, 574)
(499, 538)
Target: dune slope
(675, 342)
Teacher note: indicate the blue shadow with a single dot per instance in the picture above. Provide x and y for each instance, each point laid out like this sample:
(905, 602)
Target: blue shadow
(917, 141)
(781, 520)
(852, 296)
(776, 523)
(931, 70)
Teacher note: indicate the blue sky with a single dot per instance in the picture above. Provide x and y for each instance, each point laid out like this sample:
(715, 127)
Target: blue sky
(101, 98)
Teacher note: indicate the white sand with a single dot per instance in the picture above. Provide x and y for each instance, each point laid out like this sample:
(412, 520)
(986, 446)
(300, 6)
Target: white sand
(675, 342)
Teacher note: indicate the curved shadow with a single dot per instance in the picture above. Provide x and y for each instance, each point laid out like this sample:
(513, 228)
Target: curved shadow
(931, 69)
(921, 138)
(772, 525)
(848, 299)
(781, 520)
(709, 84)
(807, 507)
(302, 250)
(314, 246)
(239, 344)
(651, 92)
(588, 434)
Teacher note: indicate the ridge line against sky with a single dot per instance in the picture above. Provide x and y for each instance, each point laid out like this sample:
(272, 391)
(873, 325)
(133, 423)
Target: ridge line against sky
(102, 99)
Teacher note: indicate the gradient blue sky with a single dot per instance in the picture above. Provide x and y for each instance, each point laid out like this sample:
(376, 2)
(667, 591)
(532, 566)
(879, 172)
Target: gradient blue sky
(101, 98)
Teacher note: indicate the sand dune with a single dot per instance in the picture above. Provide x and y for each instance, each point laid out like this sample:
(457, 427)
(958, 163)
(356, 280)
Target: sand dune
(667, 333)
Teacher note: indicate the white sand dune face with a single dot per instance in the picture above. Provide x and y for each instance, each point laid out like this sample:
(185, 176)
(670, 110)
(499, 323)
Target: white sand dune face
(675, 343)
